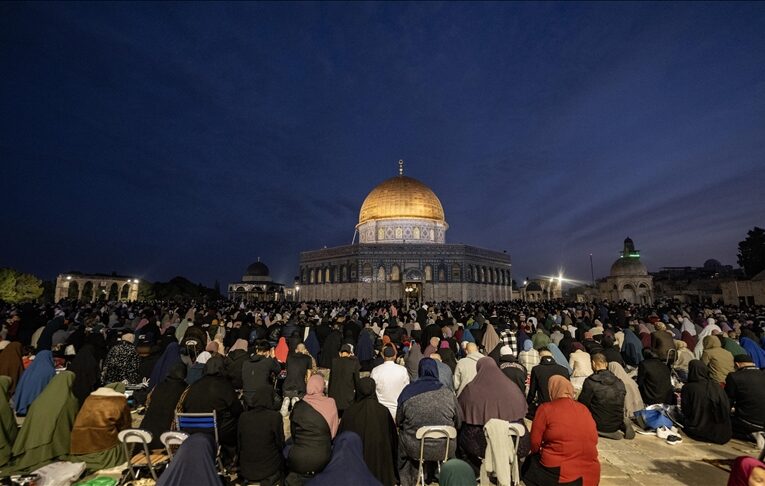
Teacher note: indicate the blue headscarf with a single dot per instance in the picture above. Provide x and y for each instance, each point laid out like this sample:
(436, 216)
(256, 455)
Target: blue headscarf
(347, 464)
(632, 349)
(427, 380)
(364, 347)
(169, 358)
(756, 352)
(33, 381)
(194, 463)
(559, 357)
(312, 343)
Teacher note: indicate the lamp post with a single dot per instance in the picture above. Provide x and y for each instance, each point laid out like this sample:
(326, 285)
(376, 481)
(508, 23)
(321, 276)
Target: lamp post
(297, 293)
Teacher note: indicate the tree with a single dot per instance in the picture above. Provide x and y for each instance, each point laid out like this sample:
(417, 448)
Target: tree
(751, 252)
(19, 287)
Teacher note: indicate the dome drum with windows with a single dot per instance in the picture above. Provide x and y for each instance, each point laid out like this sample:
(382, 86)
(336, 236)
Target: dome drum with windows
(402, 210)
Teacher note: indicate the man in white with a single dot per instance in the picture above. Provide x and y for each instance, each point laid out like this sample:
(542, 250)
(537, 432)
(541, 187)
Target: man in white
(466, 367)
(390, 378)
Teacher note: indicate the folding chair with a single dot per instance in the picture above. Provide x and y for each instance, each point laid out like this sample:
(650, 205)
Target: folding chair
(172, 439)
(515, 431)
(146, 458)
(433, 432)
(200, 422)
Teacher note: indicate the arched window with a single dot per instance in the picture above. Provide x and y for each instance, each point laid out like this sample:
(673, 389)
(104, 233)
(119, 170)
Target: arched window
(481, 274)
(344, 273)
(381, 274)
(327, 276)
(313, 276)
(74, 290)
(428, 273)
(416, 233)
(441, 273)
(395, 273)
(125, 292)
(456, 272)
(366, 273)
(469, 274)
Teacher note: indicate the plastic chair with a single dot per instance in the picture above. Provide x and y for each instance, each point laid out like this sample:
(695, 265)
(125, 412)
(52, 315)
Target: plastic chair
(515, 432)
(172, 439)
(433, 432)
(145, 458)
(191, 423)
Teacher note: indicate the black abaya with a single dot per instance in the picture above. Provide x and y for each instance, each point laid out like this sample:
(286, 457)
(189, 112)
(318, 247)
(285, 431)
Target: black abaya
(705, 407)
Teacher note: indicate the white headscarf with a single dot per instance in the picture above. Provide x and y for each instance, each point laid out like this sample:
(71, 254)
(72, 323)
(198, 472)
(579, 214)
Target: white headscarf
(203, 357)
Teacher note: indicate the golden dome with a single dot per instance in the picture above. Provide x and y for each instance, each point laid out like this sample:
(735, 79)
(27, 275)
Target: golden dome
(401, 197)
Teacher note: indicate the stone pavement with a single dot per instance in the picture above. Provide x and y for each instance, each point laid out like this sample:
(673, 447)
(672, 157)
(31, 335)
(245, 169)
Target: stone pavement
(648, 460)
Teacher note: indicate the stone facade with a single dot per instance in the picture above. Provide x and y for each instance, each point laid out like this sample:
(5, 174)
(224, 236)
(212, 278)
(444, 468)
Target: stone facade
(402, 231)
(384, 271)
(629, 279)
(93, 287)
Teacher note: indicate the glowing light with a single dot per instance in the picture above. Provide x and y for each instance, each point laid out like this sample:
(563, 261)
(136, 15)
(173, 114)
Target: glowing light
(297, 288)
(69, 277)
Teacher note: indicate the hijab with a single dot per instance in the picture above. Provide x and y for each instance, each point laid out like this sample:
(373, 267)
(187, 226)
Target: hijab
(456, 472)
(194, 463)
(633, 401)
(412, 360)
(558, 357)
(742, 470)
(169, 357)
(491, 395)
(756, 352)
(632, 349)
(699, 373)
(46, 431)
(11, 363)
(8, 427)
(365, 346)
(281, 351)
(490, 339)
(347, 464)
(239, 344)
(326, 406)
(427, 381)
(560, 387)
(204, 357)
(85, 369)
(33, 381)
(312, 343)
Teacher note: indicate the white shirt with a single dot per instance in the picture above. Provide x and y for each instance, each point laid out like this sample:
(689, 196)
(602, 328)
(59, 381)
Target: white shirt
(390, 378)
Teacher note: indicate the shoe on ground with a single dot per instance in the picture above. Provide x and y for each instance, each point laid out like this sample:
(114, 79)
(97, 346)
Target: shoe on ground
(670, 435)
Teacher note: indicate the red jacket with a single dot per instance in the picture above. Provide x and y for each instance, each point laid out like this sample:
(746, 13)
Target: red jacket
(564, 434)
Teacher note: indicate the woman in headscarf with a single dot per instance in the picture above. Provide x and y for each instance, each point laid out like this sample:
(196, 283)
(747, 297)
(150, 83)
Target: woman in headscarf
(46, 431)
(94, 437)
(706, 410)
(8, 428)
(162, 402)
(347, 464)
(261, 439)
(12, 364)
(312, 342)
(683, 359)
(86, 372)
(214, 392)
(197, 370)
(709, 329)
(313, 425)
(488, 396)
(447, 354)
(122, 362)
(564, 441)
(167, 360)
(412, 359)
(632, 401)
(747, 471)
(374, 424)
(456, 472)
(193, 463)
(559, 358)
(33, 381)
(490, 339)
(755, 351)
(424, 402)
(719, 361)
(282, 351)
(540, 339)
(236, 357)
(632, 348)
(529, 357)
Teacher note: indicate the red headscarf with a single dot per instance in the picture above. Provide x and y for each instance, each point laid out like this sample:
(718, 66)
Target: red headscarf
(742, 469)
(281, 351)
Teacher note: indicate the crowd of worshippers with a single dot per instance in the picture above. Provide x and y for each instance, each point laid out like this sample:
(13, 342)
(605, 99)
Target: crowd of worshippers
(576, 372)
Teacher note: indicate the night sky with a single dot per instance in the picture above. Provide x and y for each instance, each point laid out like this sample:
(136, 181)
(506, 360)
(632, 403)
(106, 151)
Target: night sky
(169, 139)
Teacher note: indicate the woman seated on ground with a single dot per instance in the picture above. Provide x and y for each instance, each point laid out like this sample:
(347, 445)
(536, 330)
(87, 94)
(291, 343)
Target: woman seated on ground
(747, 471)
(214, 392)
(94, 436)
(347, 465)
(161, 404)
(374, 425)
(564, 441)
(632, 400)
(45, 433)
(705, 407)
(33, 381)
(193, 463)
(654, 380)
(261, 439)
(424, 402)
(488, 396)
(313, 425)
(683, 359)
(8, 428)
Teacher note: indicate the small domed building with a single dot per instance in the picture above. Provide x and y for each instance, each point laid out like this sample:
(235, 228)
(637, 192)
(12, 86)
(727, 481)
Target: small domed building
(402, 254)
(256, 285)
(629, 279)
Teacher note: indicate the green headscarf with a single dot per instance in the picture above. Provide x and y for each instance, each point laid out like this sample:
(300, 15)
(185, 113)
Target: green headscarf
(47, 429)
(456, 472)
(8, 428)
